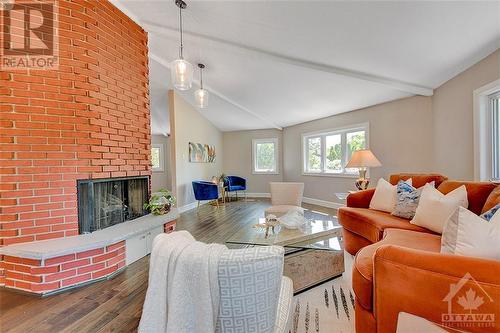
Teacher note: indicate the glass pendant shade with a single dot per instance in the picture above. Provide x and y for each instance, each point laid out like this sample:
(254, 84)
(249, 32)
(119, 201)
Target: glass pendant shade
(201, 97)
(182, 74)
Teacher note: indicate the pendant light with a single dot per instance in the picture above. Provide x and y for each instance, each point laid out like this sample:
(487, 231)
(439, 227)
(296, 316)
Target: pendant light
(201, 95)
(181, 70)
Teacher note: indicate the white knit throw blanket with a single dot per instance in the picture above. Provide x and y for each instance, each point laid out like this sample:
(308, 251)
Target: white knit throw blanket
(183, 291)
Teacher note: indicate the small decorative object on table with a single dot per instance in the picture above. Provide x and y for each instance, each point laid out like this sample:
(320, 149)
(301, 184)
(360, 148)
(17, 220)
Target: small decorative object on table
(160, 202)
(293, 219)
(362, 160)
(271, 222)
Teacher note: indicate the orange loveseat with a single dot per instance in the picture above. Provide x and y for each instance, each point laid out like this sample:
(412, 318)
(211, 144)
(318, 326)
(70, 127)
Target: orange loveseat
(399, 268)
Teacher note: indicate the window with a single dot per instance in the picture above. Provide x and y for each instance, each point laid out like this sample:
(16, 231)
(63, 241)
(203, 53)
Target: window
(487, 132)
(157, 158)
(265, 156)
(328, 152)
(495, 135)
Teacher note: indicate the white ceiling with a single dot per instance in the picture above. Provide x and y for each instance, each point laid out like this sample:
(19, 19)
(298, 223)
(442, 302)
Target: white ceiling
(279, 63)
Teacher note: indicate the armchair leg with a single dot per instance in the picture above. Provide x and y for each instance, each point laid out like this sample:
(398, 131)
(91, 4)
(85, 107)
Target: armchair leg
(198, 208)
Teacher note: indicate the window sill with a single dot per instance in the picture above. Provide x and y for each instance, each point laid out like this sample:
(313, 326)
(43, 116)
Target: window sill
(158, 170)
(264, 173)
(334, 175)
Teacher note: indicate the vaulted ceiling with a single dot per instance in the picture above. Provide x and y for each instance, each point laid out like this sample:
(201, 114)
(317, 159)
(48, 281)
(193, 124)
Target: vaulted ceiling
(271, 64)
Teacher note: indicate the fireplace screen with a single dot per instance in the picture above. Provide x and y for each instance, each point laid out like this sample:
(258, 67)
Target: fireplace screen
(106, 202)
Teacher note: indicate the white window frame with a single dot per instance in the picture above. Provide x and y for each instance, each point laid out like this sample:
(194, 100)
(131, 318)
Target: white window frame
(162, 157)
(323, 134)
(276, 156)
(483, 134)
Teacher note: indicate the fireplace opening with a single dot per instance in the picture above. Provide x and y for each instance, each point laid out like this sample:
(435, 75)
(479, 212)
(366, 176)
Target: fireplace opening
(106, 202)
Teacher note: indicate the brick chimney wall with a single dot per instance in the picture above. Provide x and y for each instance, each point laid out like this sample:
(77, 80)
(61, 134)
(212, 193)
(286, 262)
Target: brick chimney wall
(88, 119)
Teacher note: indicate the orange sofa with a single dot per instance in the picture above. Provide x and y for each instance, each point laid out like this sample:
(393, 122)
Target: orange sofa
(398, 266)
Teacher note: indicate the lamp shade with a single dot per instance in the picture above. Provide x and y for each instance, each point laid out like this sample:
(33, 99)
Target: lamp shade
(363, 159)
(182, 74)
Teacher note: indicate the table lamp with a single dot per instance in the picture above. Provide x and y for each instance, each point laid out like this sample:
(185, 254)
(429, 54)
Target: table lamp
(362, 160)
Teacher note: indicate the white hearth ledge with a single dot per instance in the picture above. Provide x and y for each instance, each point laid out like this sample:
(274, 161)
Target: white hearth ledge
(61, 246)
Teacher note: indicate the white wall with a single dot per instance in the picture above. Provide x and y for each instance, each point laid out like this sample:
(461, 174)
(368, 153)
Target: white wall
(453, 118)
(400, 136)
(238, 158)
(189, 125)
(162, 179)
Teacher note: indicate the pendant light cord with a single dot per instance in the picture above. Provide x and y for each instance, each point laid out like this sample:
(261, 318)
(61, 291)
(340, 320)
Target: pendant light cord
(180, 30)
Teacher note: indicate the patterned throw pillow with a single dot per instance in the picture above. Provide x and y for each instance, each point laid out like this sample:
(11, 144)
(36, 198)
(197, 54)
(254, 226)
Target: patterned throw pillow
(489, 214)
(407, 198)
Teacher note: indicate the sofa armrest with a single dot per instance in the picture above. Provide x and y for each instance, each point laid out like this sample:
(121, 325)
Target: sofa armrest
(360, 199)
(429, 285)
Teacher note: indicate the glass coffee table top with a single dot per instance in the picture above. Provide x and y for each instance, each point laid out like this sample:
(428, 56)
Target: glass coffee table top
(320, 232)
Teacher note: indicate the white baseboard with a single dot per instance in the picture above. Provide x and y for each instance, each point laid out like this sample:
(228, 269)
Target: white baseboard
(190, 206)
(322, 203)
(259, 195)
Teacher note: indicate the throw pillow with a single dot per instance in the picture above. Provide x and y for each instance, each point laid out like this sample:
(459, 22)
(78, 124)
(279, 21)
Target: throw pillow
(467, 234)
(434, 207)
(384, 198)
(407, 198)
(489, 214)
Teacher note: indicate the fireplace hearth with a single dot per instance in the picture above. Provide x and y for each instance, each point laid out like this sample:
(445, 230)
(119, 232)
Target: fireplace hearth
(105, 202)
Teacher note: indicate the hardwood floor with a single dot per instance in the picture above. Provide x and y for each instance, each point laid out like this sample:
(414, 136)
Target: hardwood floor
(115, 305)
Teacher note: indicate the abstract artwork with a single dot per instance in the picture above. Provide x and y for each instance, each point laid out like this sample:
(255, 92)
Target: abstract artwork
(201, 153)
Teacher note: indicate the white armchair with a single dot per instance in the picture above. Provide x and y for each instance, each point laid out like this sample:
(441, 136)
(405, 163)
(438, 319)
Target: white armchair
(254, 294)
(285, 196)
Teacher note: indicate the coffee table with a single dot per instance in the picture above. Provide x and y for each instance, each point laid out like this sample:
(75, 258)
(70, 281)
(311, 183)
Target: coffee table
(313, 254)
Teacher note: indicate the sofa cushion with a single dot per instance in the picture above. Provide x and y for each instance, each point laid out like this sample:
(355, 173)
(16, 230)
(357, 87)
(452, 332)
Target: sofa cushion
(493, 200)
(477, 192)
(371, 224)
(362, 275)
(418, 179)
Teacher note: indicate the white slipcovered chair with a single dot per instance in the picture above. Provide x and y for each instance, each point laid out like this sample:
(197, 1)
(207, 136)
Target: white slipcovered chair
(285, 196)
(254, 294)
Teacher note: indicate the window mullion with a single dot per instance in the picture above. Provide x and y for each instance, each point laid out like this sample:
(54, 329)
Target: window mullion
(323, 153)
(343, 147)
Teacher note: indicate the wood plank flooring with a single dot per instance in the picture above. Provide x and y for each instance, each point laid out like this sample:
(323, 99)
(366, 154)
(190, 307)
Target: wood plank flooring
(115, 305)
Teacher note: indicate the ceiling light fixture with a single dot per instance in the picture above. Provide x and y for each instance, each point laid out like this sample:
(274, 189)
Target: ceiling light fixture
(201, 95)
(181, 70)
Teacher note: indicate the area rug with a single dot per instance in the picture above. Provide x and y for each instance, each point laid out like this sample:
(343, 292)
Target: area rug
(327, 308)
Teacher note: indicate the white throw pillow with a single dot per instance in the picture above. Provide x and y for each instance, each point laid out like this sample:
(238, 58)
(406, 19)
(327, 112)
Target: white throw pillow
(385, 195)
(467, 234)
(435, 208)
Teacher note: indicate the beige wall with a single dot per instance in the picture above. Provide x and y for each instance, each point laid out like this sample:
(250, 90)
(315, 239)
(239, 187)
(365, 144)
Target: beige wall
(453, 121)
(238, 157)
(162, 179)
(400, 136)
(188, 125)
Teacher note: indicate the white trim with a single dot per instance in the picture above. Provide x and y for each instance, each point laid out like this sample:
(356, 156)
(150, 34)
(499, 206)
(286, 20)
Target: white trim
(343, 130)
(161, 146)
(322, 203)
(191, 206)
(482, 133)
(395, 84)
(258, 195)
(274, 141)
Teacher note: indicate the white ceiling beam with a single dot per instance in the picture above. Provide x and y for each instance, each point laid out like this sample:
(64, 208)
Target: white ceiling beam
(394, 84)
(165, 63)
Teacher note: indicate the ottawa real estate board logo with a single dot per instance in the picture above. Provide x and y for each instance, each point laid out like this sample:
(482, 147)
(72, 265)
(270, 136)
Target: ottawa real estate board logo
(468, 303)
(30, 35)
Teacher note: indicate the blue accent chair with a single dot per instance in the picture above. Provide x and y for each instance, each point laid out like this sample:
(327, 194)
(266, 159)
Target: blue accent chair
(205, 191)
(235, 184)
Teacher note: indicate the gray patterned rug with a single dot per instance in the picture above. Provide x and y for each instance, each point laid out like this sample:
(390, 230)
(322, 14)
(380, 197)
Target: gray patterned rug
(327, 308)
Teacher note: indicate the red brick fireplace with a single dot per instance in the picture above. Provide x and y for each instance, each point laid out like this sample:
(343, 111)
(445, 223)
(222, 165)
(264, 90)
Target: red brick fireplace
(88, 119)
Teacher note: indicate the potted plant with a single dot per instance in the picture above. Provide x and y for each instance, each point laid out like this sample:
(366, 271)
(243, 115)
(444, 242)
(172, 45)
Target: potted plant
(223, 179)
(160, 202)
